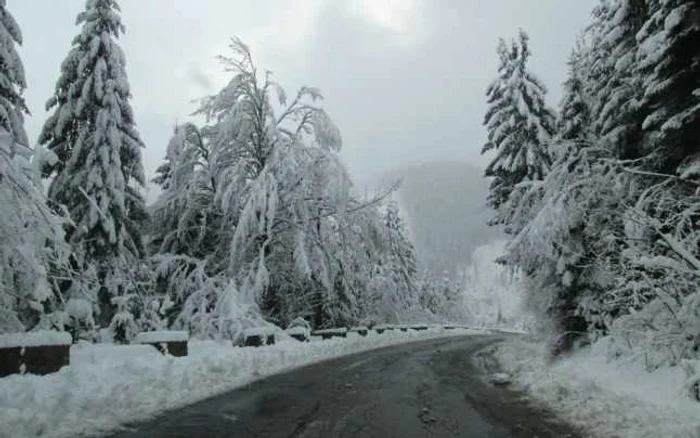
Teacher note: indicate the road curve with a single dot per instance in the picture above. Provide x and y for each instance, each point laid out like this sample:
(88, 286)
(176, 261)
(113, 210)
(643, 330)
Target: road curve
(422, 389)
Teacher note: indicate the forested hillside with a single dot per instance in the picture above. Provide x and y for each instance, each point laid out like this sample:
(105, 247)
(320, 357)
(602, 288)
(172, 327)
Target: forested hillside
(445, 207)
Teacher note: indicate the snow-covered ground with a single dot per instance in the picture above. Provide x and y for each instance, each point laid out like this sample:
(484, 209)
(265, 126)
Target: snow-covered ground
(605, 398)
(108, 385)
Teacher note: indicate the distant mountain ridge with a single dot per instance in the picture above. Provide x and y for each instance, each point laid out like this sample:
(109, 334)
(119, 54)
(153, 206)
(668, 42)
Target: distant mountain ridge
(444, 204)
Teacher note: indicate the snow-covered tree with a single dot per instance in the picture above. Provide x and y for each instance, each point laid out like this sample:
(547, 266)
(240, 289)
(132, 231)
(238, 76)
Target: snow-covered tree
(290, 231)
(574, 119)
(93, 135)
(31, 241)
(257, 208)
(520, 127)
(570, 249)
(616, 88)
(12, 81)
(184, 218)
(401, 251)
(670, 68)
(608, 241)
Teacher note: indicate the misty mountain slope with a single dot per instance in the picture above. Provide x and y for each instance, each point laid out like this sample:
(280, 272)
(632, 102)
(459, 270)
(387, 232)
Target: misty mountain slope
(445, 207)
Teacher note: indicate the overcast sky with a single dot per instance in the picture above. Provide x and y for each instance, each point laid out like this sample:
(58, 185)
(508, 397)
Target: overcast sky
(404, 80)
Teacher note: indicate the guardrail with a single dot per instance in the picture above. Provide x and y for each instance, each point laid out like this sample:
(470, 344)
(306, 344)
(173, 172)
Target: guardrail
(47, 352)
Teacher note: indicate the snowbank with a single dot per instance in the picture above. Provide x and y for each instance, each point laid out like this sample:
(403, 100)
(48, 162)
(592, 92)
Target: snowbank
(161, 336)
(298, 331)
(260, 331)
(108, 385)
(35, 339)
(607, 399)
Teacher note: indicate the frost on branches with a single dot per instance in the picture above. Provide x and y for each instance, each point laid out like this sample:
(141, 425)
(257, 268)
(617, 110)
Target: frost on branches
(520, 126)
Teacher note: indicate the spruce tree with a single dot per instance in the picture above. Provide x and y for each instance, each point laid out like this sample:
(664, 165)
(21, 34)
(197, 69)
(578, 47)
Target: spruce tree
(402, 254)
(669, 61)
(520, 127)
(574, 119)
(93, 135)
(12, 82)
(616, 88)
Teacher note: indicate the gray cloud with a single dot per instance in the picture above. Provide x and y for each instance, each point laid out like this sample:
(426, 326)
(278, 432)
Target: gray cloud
(403, 79)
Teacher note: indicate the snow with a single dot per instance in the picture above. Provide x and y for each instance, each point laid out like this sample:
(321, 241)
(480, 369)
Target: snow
(109, 385)
(605, 398)
(500, 379)
(674, 18)
(298, 330)
(161, 336)
(35, 339)
(79, 309)
(260, 331)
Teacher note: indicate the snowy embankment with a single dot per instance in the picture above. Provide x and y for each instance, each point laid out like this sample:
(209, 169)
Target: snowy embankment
(604, 398)
(108, 385)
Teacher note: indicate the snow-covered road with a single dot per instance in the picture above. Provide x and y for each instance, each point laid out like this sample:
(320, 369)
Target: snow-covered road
(426, 388)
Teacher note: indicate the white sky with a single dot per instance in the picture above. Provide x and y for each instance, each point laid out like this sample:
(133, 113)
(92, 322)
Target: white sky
(404, 80)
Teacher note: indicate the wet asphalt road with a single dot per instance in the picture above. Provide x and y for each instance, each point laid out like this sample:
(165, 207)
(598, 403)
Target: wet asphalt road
(423, 389)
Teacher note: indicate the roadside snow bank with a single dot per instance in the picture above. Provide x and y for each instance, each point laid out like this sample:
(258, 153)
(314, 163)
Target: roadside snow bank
(607, 399)
(162, 336)
(108, 385)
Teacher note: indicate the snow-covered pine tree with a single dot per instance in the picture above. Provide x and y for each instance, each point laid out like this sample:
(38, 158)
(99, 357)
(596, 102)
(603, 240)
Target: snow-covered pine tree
(401, 251)
(616, 88)
(574, 118)
(98, 168)
(520, 127)
(669, 63)
(12, 82)
(572, 227)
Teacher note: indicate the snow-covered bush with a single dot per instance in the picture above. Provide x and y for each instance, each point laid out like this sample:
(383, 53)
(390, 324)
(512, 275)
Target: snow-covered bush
(81, 323)
(299, 322)
(123, 326)
(207, 306)
(692, 382)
